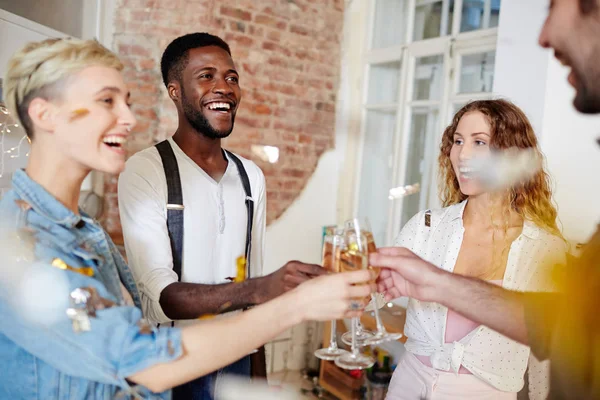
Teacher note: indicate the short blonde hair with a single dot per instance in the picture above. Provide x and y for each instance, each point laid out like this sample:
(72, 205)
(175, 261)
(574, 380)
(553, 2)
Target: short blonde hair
(39, 67)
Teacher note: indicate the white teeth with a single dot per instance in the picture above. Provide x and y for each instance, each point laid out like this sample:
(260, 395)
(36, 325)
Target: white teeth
(115, 139)
(213, 106)
(465, 170)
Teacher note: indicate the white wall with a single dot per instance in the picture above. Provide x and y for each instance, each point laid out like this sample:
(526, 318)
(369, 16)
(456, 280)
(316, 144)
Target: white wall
(521, 65)
(569, 142)
(533, 79)
(63, 15)
(296, 235)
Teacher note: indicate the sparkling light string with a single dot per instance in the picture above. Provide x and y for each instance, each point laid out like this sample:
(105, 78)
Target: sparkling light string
(6, 123)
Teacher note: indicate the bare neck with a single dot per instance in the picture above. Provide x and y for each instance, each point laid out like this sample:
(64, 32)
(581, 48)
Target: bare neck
(488, 211)
(59, 177)
(197, 146)
(205, 152)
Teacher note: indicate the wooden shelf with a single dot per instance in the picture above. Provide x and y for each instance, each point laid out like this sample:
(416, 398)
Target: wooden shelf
(335, 380)
(339, 383)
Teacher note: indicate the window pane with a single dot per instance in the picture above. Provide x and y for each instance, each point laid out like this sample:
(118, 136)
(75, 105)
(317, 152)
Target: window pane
(422, 130)
(389, 24)
(376, 171)
(455, 108)
(383, 83)
(477, 72)
(494, 13)
(428, 78)
(430, 20)
(474, 14)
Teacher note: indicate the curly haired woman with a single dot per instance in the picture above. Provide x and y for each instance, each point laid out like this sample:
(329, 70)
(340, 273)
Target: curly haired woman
(504, 237)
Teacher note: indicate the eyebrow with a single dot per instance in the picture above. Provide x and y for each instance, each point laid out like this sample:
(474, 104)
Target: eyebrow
(201, 69)
(473, 134)
(113, 89)
(110, 89)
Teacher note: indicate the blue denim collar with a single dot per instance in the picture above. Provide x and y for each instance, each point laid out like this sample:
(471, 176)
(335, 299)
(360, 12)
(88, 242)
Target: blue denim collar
(43, 202)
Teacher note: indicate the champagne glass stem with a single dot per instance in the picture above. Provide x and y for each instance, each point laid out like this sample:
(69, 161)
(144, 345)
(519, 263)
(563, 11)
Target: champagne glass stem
(354, 346)
(380, 327)
(359, 328)
(333, 336)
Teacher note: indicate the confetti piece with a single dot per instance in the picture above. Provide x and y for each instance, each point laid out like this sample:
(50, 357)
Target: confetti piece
(80, 112)
(402, 191)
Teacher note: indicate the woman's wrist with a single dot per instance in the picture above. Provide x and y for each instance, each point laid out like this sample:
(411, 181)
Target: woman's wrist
(288, 308)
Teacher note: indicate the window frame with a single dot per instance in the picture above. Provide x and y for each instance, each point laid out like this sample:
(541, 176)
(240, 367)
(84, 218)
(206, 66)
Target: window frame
(452, 47)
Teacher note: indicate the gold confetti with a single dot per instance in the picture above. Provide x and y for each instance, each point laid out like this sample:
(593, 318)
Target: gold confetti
(225, 306)
(241, 269)
(80, 112)
(60, 264)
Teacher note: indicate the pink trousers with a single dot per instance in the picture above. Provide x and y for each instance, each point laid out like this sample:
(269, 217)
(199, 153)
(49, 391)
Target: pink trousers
(412, 380)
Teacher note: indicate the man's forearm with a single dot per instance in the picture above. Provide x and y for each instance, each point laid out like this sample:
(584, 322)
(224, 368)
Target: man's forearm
(182, 300)
(499, 309)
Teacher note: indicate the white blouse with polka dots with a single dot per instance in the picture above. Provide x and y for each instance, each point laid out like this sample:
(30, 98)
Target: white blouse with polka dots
(485, 353)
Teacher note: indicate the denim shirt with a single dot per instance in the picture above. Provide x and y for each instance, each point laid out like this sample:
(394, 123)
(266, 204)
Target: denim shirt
(47, 252)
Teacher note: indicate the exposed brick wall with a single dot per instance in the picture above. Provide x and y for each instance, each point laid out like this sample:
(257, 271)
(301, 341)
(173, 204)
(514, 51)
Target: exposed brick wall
(288, 54)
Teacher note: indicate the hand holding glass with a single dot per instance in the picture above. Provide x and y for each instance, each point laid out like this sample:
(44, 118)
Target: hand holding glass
(363, 226)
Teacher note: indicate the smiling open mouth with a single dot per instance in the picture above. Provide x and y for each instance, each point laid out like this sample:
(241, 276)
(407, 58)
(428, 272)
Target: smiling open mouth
(220, 107)
(115, 142)
(466, 172)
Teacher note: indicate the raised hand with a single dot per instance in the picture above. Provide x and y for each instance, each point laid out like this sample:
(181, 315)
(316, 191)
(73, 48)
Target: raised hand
(335, 296)
(289, 277)
(403, 273)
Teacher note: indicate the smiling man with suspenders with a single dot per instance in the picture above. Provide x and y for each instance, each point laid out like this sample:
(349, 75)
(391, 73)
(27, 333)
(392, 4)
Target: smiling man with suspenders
(191, 209)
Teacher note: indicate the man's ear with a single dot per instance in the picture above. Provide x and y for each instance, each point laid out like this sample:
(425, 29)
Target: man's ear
(174, 90)
(42, 114)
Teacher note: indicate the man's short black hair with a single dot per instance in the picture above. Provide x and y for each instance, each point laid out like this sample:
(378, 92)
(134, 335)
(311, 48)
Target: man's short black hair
(175, 58)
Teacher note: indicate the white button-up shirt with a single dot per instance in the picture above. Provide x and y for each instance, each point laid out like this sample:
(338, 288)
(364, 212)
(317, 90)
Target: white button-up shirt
(215, 220)
(485, 353)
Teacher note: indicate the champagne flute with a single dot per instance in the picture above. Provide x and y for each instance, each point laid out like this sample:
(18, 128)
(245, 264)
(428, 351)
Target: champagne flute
(354, 257)
(332, 247)
(362, 225)
(362, 334)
